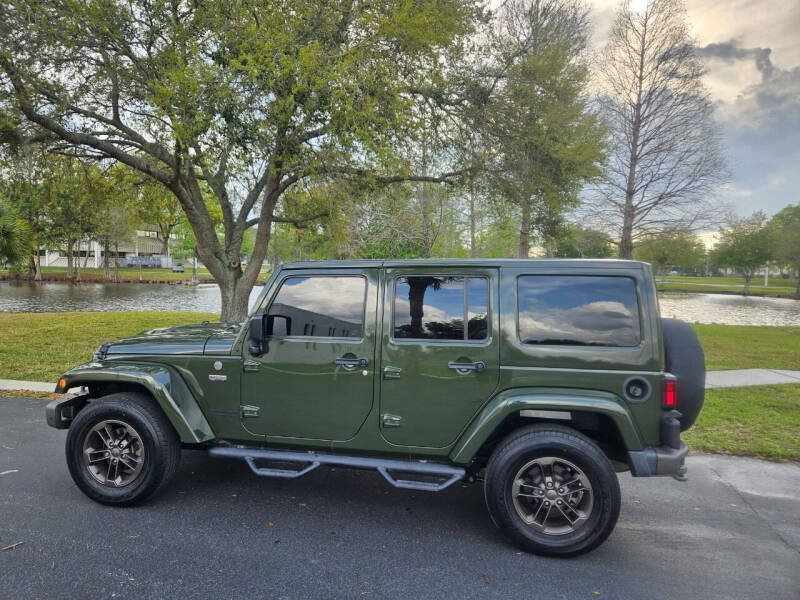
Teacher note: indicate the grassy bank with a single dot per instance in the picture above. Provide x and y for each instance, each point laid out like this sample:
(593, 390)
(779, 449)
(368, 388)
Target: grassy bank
(132, 275)
(762, 421)
(41, 346)
(746, 347)
(728, 285)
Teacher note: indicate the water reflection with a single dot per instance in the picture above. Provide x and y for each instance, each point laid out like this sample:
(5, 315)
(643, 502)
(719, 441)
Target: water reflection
(731, 310)
(56, 297)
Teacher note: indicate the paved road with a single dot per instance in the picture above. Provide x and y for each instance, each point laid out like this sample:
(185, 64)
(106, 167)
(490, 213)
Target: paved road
(732, 531)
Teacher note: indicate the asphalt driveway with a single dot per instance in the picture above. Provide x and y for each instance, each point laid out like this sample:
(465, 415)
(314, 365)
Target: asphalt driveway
(732, 531)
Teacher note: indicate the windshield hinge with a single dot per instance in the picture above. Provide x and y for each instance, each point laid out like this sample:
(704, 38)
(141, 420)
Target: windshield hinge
(251, 366)
(249, 411)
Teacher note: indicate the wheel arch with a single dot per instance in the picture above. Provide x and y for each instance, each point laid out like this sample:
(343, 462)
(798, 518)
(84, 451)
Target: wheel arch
(160, 382)
(599, 415)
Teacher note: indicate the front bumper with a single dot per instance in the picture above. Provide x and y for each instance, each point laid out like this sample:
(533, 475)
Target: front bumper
(659, 460)
(59, 413)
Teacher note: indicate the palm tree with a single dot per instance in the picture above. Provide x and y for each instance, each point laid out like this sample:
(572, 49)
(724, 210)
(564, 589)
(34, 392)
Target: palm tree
(14, 237)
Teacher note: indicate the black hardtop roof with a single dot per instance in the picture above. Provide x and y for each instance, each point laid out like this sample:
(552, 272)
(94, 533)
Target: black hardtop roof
(566, 263)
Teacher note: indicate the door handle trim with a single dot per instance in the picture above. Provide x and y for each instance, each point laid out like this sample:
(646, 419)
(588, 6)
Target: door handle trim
(351, 362)
(477, 366)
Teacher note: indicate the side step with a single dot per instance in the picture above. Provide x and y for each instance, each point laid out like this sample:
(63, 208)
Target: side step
(312, 460)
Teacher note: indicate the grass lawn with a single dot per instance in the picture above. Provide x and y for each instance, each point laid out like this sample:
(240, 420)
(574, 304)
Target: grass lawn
(132, 274)
(762, 421)
(745, 347)
(41, 346)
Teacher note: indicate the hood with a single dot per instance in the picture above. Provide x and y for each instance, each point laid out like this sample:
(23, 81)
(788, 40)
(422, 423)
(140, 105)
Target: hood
(203, 338)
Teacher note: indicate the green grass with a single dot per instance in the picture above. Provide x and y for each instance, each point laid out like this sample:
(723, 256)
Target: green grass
(773, 281)
(776, 286)
(41, 346)
(746, 347)
(762, 421)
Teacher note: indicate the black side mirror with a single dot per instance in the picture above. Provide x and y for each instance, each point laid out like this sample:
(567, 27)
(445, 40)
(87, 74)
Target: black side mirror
(258, 335)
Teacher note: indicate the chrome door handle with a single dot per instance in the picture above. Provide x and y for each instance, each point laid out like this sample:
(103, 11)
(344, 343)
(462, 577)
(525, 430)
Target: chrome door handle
(468, 366)
(351, 362)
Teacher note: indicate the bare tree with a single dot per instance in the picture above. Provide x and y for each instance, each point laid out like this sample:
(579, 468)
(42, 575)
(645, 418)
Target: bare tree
(664, 154)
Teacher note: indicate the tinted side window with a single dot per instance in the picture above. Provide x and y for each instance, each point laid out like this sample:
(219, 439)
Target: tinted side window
(319, 306)
(578, 310)
(433, 307)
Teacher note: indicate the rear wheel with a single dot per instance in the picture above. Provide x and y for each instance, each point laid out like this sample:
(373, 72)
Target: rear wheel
(121, 449)
(552, 491)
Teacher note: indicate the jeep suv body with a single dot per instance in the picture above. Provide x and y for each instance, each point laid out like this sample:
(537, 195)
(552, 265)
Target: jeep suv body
(540, 377)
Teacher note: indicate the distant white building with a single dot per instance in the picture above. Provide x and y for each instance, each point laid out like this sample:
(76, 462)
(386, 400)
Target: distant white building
(145, 247)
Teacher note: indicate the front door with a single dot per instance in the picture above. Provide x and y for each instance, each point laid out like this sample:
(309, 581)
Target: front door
(315, 379)
(440, 352)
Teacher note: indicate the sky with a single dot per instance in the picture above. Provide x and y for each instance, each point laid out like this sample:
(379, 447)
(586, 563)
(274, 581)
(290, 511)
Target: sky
(751, 49)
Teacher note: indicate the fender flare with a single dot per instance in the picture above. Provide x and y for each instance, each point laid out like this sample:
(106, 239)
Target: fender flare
(554, 399)
(162, 382)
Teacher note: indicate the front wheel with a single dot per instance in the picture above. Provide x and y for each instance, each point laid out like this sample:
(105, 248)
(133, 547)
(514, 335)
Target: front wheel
(552, 491)
(121, 449)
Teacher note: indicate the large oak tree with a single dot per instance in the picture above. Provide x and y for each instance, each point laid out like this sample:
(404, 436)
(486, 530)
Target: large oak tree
(241, 100)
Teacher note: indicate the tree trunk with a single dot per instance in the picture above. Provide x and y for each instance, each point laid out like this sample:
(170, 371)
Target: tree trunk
(473, 251)
(194, 268)
(626, 239)
(106, 252)
(78, 264)
(165, 243)
(116, 262)
(70, 244)
(38, 274)
(748, 275)
(797, 291)
(525, 230)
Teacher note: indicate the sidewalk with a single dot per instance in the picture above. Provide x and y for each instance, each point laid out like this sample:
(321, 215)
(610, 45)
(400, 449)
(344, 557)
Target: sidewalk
(714, 379)
(748, 377)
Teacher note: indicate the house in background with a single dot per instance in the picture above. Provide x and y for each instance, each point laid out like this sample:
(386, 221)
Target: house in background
(144, 249)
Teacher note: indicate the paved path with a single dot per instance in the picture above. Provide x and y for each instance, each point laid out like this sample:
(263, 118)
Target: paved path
(714, 379)
(748, 377)
(731, 531)
(31, 386)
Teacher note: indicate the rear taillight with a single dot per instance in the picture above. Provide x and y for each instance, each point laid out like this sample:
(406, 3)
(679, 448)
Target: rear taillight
(670, 399)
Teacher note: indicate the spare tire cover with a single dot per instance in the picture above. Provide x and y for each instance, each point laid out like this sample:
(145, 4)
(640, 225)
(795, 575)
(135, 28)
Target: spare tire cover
(685, 359)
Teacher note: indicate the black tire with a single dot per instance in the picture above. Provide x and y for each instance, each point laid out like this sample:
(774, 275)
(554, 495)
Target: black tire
(565, 444)
(160, 446)
(684, 358)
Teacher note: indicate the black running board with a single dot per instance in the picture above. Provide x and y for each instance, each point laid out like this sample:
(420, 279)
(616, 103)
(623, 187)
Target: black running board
(312, 460)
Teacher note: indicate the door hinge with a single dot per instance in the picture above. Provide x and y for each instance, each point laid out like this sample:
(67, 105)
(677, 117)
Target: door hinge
(391, 420)
(251, 366)
(249, 411)
(392, 372)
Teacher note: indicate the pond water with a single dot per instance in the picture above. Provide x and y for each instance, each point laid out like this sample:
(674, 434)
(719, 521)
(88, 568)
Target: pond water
(86, 297)
(56, 297)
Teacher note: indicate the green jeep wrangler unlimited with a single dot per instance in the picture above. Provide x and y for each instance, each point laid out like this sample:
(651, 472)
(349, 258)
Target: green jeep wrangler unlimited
(540, 378)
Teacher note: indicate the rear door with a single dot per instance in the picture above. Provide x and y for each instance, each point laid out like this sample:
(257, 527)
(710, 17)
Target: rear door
(440, 352)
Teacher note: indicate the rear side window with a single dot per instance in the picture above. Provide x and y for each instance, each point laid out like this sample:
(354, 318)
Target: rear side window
(319, 306)
(578, 310)
(435, 307)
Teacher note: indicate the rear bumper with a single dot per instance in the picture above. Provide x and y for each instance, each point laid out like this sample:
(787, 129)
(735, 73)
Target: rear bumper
(659, 460)
(59, 413)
